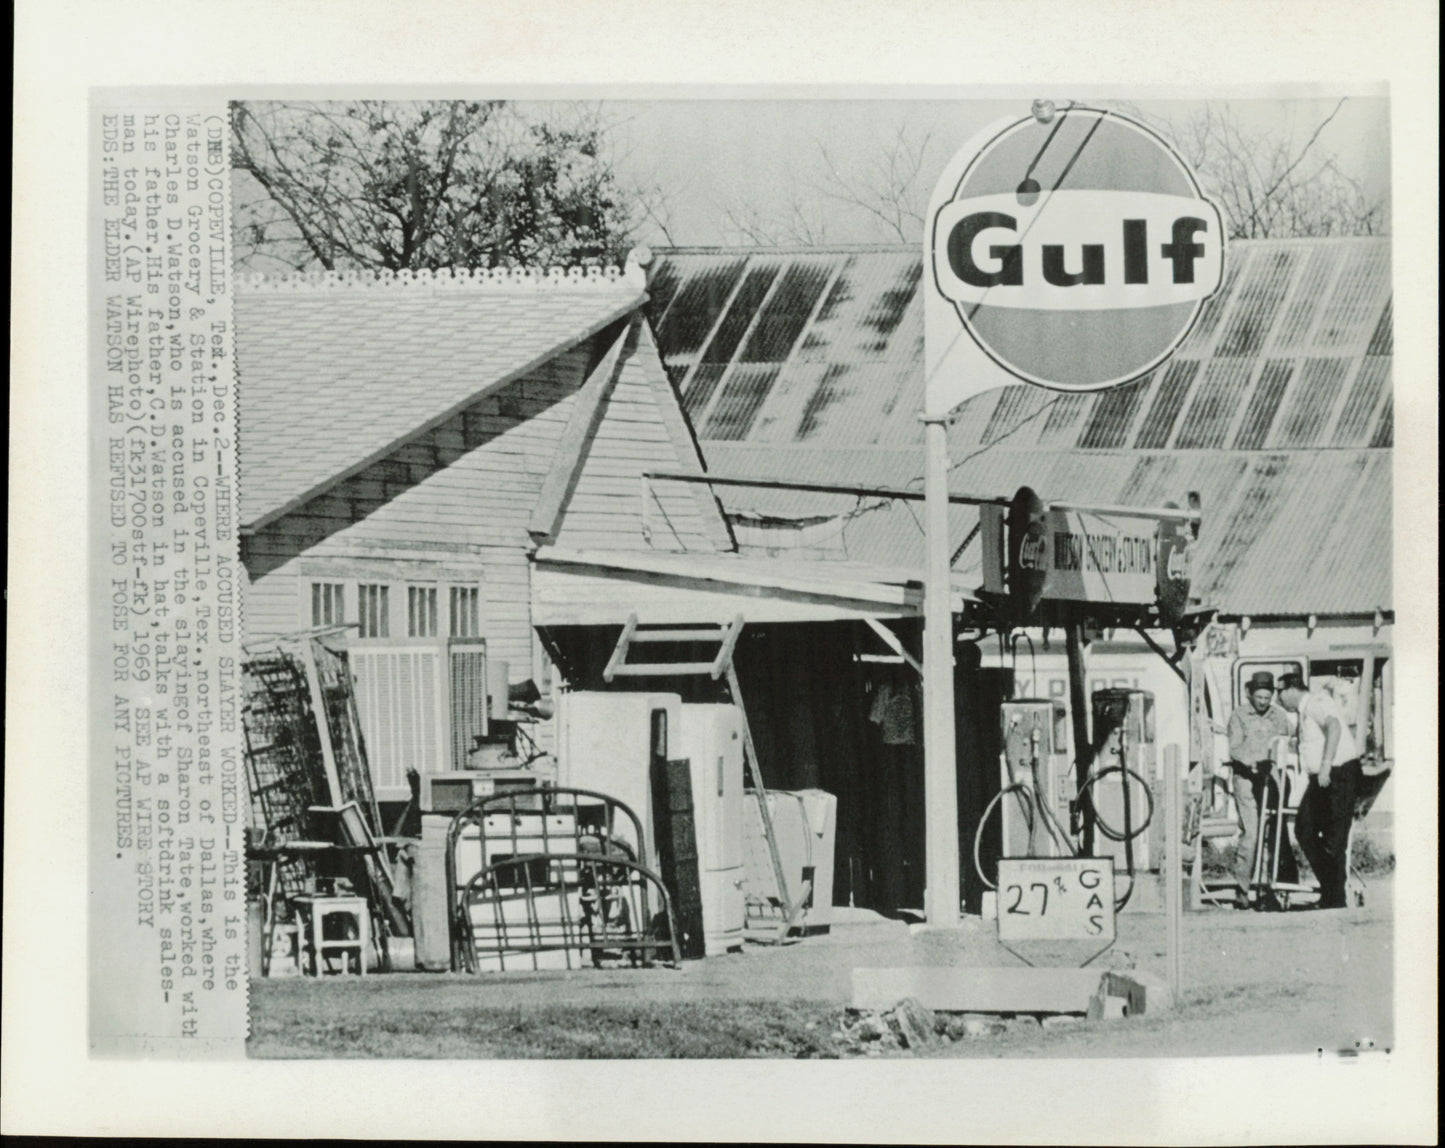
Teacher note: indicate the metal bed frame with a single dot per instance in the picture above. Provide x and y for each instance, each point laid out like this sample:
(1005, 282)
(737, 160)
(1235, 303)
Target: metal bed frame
(556, 878)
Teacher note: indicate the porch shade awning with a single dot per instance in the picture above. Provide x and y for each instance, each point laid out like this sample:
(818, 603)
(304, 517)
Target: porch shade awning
(600, 588)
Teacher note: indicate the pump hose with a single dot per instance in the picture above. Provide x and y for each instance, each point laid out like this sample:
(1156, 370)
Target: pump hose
(1128, 834)
(1022, 790)
(1030, 801)
(1104, 827)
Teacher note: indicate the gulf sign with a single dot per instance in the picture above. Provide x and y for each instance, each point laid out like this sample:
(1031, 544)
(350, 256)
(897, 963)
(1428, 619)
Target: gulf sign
(1074, 254)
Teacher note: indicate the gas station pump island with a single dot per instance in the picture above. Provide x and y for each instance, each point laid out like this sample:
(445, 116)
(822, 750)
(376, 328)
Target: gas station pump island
(1071, 249)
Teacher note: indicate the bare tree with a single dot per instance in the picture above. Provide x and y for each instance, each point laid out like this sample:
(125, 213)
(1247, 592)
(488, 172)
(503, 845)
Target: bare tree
(1266, 183)
(892, 188)
(422, 184)
(792, 221)
(1270, 187)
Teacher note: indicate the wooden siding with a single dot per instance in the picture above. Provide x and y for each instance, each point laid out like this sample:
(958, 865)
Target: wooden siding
(636, 434)
(456, 501)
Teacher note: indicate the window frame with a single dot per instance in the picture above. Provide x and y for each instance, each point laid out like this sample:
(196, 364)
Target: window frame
(394, 590)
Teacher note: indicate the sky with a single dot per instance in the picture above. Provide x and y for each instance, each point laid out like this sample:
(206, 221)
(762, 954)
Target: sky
(759, 158)
(731, 171)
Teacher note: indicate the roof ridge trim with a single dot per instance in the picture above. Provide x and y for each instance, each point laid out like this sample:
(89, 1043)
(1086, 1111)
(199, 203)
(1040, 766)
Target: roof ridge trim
(917, 248)
(473, 278)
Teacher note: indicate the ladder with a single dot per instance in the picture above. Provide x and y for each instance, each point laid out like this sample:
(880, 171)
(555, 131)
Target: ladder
(785, 909)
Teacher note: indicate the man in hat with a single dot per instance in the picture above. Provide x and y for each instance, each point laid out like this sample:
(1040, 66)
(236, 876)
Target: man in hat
(1253, 728)
(1328, 754)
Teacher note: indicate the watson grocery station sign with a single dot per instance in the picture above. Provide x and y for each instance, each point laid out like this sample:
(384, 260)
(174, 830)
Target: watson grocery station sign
(1072, 250)
(1033, 553)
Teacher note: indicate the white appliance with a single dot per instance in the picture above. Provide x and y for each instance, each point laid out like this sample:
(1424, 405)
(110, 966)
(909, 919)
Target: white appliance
(805, 823)
(711, 738)
(606, 742)
(508, 835)
(453, 791)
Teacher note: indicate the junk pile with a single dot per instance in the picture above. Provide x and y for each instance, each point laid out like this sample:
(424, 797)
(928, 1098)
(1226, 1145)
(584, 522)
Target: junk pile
(322, 875)
(650, 850)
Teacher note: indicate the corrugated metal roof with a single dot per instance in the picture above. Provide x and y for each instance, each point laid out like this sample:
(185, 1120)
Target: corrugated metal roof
(1271, 364)
(1284, 533)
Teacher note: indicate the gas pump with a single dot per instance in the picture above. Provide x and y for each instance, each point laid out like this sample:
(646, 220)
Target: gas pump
(1035, 775)
(1120, 785)
(1041, 814)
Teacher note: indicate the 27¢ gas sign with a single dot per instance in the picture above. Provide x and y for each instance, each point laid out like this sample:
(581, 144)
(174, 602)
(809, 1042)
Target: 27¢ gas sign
(1056, 899)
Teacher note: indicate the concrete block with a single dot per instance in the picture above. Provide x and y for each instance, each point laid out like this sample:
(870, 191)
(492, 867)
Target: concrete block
(1150, 990)
(984, 990)
(1102, 1007)
(1135, 993)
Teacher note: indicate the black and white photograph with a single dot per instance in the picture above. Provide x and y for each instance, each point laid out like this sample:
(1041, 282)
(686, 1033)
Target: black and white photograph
(582, 478)
(724, 569)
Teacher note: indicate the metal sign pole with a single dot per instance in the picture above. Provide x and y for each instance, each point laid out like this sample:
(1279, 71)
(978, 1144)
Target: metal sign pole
(1174, 871)
(940, 778)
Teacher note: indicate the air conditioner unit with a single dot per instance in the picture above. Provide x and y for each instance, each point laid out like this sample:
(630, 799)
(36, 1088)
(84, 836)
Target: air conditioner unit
(453, 791)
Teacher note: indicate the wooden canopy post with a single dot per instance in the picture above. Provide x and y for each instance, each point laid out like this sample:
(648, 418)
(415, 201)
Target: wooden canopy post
(940, 768)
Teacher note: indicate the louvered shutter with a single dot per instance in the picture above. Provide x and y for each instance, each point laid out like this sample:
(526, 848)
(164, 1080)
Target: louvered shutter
(400, 697)
(469, 698)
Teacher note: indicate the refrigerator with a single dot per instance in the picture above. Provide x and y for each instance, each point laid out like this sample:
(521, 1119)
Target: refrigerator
(606, 743)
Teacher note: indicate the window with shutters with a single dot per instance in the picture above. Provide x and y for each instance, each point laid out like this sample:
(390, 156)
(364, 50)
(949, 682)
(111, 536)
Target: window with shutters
(373, 601)
(328, 603)
(421, 611)
(420, 678)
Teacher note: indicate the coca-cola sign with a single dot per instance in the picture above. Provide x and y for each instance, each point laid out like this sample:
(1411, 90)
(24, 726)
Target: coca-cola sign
(1035, 553)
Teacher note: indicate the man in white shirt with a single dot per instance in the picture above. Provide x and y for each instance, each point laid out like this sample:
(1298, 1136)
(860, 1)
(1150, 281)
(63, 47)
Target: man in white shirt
(1328, 754)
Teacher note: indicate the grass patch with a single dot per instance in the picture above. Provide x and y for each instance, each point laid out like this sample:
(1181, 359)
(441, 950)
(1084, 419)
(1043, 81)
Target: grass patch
(1367, 857)
(1370, 858)
(689, 1031)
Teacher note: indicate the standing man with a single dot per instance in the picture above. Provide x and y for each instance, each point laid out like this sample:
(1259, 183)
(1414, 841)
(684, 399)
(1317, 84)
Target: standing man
(1328, 753)
(1253, 728)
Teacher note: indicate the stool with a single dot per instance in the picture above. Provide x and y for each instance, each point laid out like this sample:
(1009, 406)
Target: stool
(312, 913)
(289, 935)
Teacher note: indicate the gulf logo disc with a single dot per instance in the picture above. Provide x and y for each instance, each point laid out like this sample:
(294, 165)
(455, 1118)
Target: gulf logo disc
(1078, 253)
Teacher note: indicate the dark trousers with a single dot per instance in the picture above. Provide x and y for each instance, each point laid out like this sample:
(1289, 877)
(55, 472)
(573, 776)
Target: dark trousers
(1323, 830)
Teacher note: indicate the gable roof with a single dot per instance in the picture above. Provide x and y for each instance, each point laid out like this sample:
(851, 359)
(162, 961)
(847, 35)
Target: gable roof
(338, 371)
(825, 345)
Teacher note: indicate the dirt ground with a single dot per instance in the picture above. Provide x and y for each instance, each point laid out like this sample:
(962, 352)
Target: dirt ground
(1253, 983)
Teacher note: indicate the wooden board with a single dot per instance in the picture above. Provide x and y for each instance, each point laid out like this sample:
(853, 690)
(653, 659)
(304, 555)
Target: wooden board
(675, 826)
